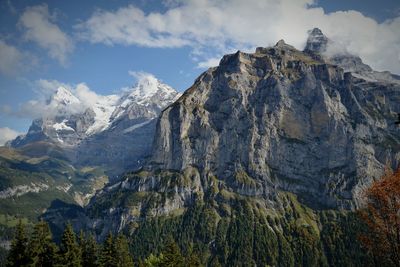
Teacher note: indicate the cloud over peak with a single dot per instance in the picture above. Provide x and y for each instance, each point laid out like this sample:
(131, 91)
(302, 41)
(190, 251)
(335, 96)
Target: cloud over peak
(212, 28)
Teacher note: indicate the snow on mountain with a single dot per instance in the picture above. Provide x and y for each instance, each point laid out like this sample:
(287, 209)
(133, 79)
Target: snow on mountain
(103, 110)
(61, 126)
(63, 96)
(149, 89)
(75, 114)
(148, 92)
(127, 139)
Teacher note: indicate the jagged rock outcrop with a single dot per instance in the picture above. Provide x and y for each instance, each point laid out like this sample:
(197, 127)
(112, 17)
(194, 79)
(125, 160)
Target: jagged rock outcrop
(286, 119)
(319, 45)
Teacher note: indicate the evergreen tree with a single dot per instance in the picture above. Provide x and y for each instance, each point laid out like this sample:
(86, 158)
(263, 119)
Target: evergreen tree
(172, 255)
(89, 250)
(108, 252)
(153, 261)
(193, 260)
(18, 255)
(42, 250)
(122, 255)
(70, 254)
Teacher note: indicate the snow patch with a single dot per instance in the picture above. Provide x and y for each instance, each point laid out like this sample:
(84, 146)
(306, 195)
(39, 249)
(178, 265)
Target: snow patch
(61, 126)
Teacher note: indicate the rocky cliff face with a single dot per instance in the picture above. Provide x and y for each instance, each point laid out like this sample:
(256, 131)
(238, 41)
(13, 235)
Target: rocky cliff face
(277, 121)
(283, 119)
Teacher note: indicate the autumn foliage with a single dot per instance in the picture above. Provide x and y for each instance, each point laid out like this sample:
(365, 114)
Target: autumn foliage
(381, 217)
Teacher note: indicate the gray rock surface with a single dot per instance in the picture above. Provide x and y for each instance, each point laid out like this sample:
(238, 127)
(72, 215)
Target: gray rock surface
(287, 119)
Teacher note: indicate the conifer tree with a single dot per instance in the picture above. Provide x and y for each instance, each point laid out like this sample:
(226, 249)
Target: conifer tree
(89, 250)
(122, 256)
(153, 261)
(70, 254)
(108, 252)
(172, 255)
(42, 250)
(192, 260)
(18, 255)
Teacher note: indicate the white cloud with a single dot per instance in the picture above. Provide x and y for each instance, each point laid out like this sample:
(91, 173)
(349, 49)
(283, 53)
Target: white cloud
(7, 134)
(142, 75)
(44, 106)
(39, 27)
(87, 97)
(147, 82)
(220, 26)
(45, 88)
(14, 61)
(127, 26)
(11, 59)
(211, 62)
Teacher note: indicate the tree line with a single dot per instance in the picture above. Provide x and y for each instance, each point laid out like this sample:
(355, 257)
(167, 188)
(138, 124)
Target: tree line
(39, 249)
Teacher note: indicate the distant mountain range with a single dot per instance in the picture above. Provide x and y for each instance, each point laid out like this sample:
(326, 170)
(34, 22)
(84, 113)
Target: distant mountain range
(116, 132)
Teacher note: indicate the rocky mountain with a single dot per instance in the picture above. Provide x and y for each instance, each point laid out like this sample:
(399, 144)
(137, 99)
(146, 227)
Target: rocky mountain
(287, 120)
(115, 132)
(281, 135)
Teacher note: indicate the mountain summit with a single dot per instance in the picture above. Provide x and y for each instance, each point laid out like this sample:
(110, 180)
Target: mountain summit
(316, 41)
(63, 96)
(335, 53)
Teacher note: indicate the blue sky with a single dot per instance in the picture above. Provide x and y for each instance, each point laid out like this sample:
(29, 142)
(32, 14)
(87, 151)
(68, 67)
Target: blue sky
(99, 42)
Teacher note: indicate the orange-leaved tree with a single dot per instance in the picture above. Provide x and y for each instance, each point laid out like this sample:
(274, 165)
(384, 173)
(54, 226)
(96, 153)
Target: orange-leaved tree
(381, 216)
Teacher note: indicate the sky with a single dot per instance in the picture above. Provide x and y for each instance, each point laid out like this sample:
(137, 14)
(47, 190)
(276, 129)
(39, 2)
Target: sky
(97, 44)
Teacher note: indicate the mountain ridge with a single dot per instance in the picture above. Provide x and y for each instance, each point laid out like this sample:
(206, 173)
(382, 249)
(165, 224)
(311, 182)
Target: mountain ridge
(80, 126)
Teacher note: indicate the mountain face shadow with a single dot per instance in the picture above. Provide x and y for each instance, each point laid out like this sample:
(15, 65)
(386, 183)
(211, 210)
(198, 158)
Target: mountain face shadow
(60, 213)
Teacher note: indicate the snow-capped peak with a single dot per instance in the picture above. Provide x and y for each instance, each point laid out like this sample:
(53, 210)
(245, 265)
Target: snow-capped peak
(64, 97)
(148, 91)
(72, 114)
(148, 88)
